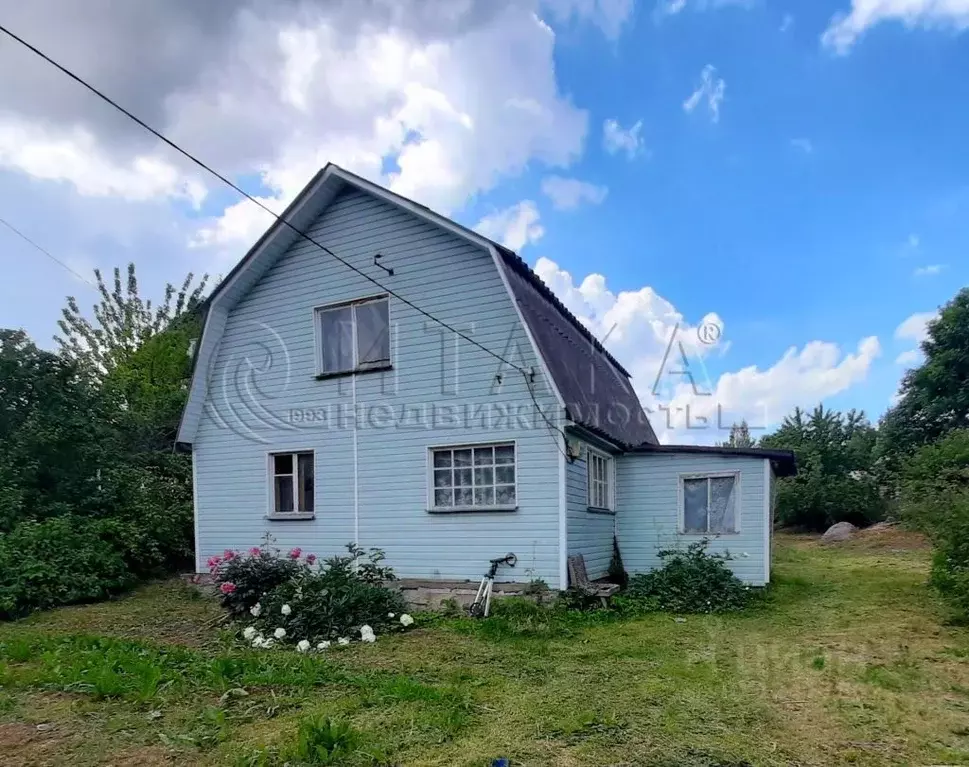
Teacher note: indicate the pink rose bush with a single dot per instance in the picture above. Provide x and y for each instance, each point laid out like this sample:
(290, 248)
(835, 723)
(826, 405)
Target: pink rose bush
(282, 600)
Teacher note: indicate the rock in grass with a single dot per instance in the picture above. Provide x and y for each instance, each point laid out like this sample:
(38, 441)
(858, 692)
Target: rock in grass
(842, 531)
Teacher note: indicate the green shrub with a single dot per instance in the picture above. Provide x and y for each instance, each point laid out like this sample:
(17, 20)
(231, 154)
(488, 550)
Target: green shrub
(325, 741)
(319, 741)
(935, 500)
(690, 581)
(310, 602)
(61, 561)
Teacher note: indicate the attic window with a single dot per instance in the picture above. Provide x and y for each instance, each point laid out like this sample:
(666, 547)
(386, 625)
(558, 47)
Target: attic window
(353, 337)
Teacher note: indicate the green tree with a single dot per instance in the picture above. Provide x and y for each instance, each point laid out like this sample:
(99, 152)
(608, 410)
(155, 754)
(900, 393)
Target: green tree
(740, 436)
(51, 433)
(122, 322)
(934, 397)
(835, 481)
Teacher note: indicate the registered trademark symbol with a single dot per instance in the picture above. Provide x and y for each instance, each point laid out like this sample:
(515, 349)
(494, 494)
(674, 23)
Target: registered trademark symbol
(708, 333)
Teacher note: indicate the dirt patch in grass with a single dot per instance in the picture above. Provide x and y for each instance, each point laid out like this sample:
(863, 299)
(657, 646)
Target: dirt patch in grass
(23, 745)
(886, 537)
(148, 756)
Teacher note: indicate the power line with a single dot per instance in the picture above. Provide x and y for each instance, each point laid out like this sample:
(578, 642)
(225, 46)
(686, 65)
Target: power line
(192, 158)
(185, 153)
(46, 252)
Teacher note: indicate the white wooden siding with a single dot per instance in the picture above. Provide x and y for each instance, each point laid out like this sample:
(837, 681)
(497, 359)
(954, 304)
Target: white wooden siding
(265, 369)
(589, 533)
(647, 518)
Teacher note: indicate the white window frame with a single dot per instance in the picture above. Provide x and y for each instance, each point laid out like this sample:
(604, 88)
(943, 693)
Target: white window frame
(431, 449)
(271, 511)
(738, 508)
(318, 311)
(610, 480)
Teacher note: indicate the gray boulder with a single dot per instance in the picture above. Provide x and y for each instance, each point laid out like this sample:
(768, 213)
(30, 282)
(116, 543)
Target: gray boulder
(842, 531)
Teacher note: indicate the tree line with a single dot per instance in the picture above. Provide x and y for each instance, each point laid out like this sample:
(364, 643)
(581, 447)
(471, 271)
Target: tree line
(912, 466)
(93, 496)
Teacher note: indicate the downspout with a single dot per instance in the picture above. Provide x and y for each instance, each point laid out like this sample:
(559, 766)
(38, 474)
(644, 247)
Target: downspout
(563, 522)
(356, 485)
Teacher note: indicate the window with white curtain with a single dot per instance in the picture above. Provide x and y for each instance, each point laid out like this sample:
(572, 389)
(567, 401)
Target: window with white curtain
(600, 480)
(473, 478)
(708, 504)
(354, 337)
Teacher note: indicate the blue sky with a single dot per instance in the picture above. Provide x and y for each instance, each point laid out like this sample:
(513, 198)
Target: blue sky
(812, 195)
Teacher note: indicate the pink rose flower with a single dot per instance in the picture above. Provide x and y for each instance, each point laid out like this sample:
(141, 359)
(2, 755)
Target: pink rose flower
(295, 553)
(227, 588)
(310, 559)
(228, 554)
(214, 562)
(255, 551)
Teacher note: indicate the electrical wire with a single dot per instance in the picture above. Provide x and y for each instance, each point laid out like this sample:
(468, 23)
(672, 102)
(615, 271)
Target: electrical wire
(46, 252)
(188, 155)
(235, 187)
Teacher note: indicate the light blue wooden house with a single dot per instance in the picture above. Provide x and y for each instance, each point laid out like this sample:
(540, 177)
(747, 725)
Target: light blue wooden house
(374, 372)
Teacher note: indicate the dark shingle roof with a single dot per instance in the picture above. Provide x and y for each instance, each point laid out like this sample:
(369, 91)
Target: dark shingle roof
(595, 387)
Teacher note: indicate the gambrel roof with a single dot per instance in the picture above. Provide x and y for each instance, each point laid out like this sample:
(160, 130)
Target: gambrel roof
(591, 385)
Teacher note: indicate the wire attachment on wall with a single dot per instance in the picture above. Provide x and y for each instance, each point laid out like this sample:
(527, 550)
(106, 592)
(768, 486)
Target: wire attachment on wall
(376, 262)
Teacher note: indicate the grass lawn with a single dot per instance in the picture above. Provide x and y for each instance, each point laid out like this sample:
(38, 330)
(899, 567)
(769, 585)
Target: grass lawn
(851, 662)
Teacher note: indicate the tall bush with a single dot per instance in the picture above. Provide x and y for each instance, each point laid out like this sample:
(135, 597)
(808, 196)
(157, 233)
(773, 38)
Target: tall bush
(935, 499)
(87, 437)
(60, 561)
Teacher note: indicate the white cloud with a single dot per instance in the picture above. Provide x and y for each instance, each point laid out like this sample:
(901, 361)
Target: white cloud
(513, 227)
(615, 138)
(670, 7)
(803, 144)
(929, 271)
(915, 327)
(913, 330)
(908, 358)
(638, 326)
(711, 90)
(389, 95)
(846, 28)
(409, 94)
(608, 15)
(570, 193)
(665, 8)
(73, 155)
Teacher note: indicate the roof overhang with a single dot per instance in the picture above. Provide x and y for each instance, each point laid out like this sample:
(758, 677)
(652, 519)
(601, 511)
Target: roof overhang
(782, 461)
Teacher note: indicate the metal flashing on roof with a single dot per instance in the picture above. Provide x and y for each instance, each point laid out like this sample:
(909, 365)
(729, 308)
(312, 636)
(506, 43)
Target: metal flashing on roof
(783, 461)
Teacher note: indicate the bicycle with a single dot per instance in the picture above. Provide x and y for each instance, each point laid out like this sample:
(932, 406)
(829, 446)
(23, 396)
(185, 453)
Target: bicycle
(481, 605)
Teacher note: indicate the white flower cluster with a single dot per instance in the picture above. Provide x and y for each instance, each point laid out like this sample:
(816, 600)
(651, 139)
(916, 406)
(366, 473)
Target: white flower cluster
(252, 635)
